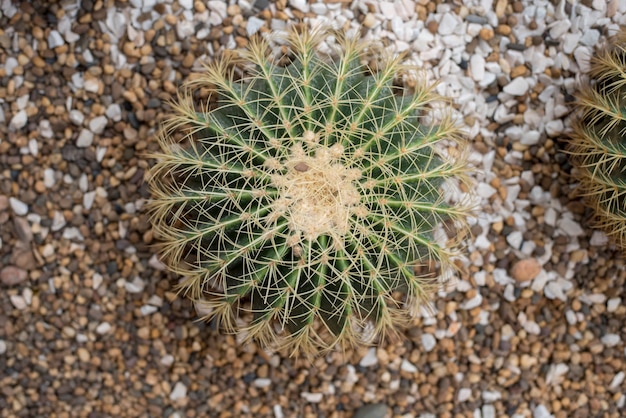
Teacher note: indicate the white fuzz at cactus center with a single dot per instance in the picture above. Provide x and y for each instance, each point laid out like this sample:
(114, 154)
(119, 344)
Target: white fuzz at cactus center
(302, 200)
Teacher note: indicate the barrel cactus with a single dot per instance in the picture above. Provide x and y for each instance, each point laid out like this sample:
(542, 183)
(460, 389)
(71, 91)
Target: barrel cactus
(598, 143)
(300, 207)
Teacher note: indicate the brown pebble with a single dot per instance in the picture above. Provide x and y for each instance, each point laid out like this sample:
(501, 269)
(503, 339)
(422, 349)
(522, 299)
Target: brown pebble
(11, 275)
(486, 34)
(432, 26)
(503, 30)
(525, 270)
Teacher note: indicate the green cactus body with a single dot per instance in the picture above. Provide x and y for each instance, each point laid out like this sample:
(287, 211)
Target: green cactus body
(306, 199)
(599, 139)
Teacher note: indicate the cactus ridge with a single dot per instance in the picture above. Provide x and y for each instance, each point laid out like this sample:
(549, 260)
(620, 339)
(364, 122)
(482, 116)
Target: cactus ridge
(598, 143)
(307, 197)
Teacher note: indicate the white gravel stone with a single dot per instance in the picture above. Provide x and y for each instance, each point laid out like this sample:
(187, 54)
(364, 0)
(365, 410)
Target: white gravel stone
(48, 178)
(477, 67)
(612, 304)
(85, 138)
(178, 392)
(472, 303)
(114, 112)
(464, 394)
(18, 121)
(103, 328)
(488, 411)
(19, 208)
(491, 396)
(301, 5)
(148, 310)
(18, 302)
(448, 24)
(254, 24)
(617, 380)
(598, 239)
(76, 117)
(97, 124)
(91, 85)
(3, 347)
(186, 4)
(312, 397)
(570, 227)
(407, 366)
(541, 411)
(262, 382)
(515, 239)
(485, 191)
(55, 39)
(369, 359)
(428, 342)
(611, 340)
(167, 360)
(517, 87)
(530, 138)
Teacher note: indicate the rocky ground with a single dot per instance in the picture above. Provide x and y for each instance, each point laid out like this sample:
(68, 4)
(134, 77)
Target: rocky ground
(532, 326)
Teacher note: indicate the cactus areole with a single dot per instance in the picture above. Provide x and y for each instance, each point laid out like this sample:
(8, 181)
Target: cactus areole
(300, 206)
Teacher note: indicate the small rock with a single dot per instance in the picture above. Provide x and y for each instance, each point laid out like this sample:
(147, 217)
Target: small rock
(262, 382)
(3, 347)
(408, 367)
(515, 239)
(477, 67)
(312, 397)
(91, 85)
(11, 275)
(448, 24)
(148, 310)
(611, 340)
(369, 359)
(97, 124)
(474, 302)
(18, 302)
(18, 121)
(525, 270)
(464, 394)
(541, 411)
(488, 411)
(254, 25)
(83, 354)
(103, 328)
(20, 208)
(618, 379)
(570, 227)
(428, 342)
(76, 117)
(517, 87)
(55, 39)
(85, 138)
(186, 4)
(179, 391)
(612, 304)
(598, 239)
(377, 410)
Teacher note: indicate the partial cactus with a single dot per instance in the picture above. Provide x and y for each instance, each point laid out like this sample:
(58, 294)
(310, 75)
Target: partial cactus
(300, 207)
(598, 142)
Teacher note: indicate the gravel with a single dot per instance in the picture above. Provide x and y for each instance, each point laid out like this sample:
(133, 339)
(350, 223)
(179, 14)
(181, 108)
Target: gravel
(531, 325)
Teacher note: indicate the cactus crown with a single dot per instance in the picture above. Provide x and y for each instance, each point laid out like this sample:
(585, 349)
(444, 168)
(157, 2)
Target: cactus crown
(599, 139)
(301, 205)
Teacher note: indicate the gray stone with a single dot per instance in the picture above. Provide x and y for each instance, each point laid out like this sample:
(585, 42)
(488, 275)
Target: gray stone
(376, 410)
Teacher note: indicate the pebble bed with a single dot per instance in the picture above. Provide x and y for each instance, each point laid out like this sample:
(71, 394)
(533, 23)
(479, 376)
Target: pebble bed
(531, 326)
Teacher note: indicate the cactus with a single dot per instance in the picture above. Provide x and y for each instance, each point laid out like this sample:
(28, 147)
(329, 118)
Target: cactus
(301, 204)
(598, 140)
